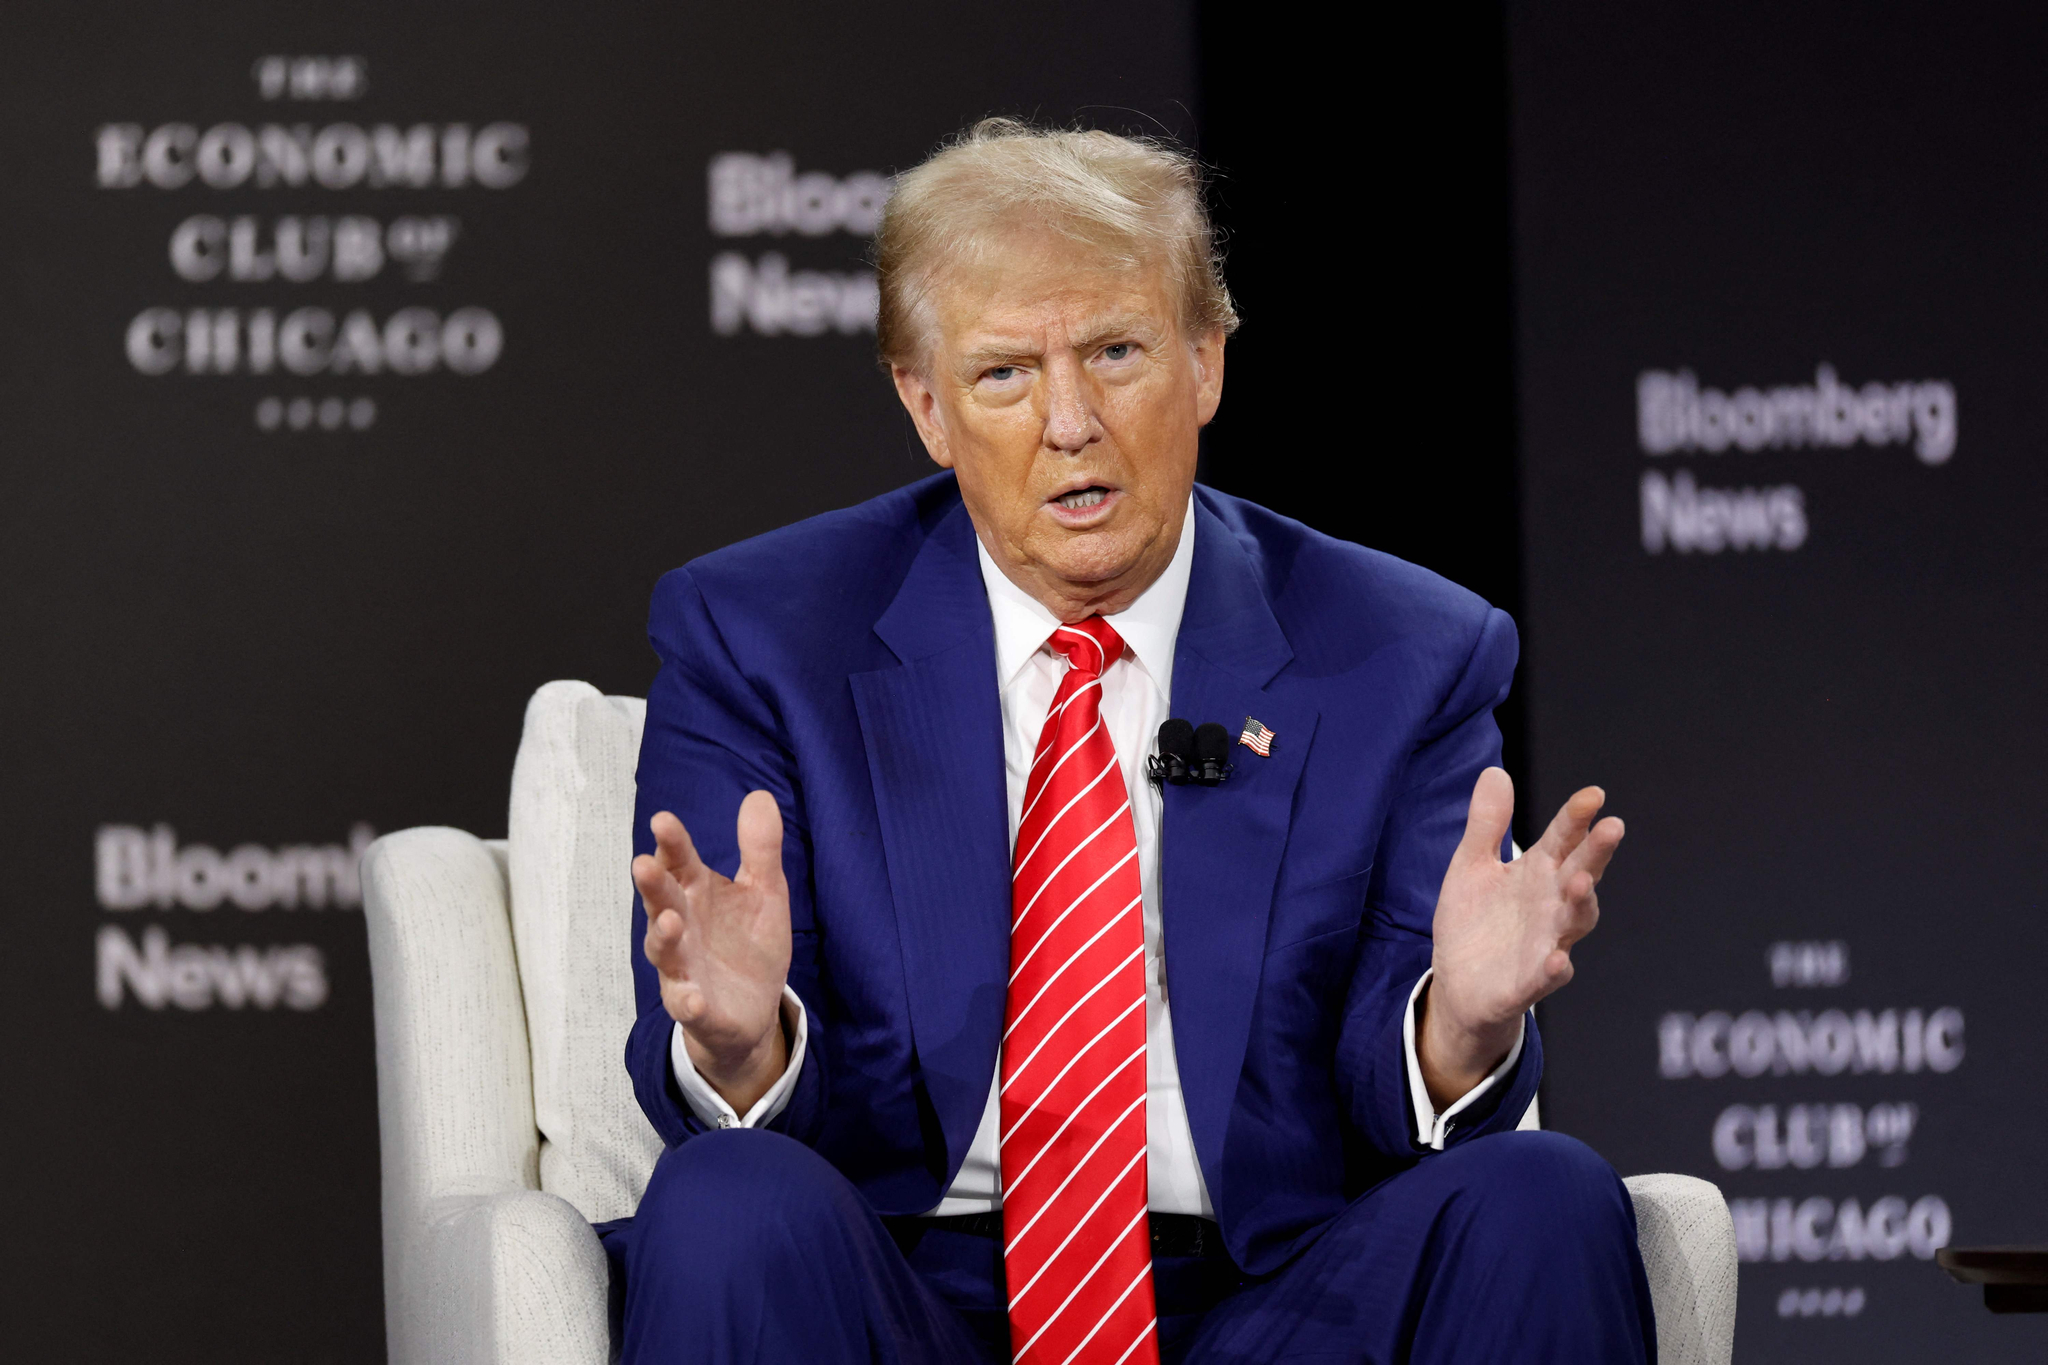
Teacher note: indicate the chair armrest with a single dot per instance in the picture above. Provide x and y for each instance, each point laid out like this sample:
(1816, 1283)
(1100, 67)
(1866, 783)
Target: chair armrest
(517, 1279)
(1688, 1245)
(454, 1075)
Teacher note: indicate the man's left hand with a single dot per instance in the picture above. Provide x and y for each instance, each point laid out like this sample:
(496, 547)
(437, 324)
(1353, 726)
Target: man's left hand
(1504, 931)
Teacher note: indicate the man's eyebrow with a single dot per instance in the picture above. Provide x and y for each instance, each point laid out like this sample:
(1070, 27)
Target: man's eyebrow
(1123, 324)
(997, 350)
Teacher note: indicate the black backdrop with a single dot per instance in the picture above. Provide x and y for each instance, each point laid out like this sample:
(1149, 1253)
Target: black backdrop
(1361, 180)
(1795, 625)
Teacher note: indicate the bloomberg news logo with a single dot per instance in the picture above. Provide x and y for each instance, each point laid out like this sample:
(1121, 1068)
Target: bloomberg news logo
(1676, 415)
(754, 195)
(137, 869)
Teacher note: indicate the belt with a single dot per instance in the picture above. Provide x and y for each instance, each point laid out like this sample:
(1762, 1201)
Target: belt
(1173, 1234)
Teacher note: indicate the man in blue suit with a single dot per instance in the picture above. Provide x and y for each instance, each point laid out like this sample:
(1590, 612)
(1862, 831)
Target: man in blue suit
(1338, 960)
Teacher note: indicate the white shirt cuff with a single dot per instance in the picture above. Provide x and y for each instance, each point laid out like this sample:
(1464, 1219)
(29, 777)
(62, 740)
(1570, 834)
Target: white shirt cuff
(709, 1106)
(1431, 1128)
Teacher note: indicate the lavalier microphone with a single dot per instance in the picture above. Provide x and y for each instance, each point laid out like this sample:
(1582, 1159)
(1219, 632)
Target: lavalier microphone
(1176, 753)
(1212, 755)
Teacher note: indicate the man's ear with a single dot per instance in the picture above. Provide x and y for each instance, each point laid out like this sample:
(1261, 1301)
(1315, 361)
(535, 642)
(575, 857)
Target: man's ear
(1207, 350)
(923, 406)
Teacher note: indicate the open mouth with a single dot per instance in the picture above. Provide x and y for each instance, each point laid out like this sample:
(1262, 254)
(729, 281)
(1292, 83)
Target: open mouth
(1081, 499)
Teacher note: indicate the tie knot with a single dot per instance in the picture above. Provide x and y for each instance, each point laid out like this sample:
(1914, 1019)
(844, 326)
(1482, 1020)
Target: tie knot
(1090, 646)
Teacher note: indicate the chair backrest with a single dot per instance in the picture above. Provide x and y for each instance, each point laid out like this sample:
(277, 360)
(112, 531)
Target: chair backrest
(570, 846)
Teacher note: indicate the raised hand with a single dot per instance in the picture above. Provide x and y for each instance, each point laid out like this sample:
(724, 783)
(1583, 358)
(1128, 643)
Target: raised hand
(721, 947)
(1504, 931)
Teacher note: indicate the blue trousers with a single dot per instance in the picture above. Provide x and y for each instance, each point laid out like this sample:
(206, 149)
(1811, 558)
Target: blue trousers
(750, 1249)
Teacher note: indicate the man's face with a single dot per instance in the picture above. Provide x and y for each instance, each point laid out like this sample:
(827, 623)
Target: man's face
(1060, 389)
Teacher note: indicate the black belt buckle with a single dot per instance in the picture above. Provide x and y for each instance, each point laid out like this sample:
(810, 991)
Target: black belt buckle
(1184, 1234)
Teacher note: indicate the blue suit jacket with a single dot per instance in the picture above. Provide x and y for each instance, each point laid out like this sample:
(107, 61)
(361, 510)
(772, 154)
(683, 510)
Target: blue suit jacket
(847, 664)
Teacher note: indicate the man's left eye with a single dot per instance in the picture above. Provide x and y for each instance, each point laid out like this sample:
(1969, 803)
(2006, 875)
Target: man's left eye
(1121, 351)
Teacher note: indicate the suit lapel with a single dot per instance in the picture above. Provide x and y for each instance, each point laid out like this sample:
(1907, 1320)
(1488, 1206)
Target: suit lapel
(1222, 845)
(933, 732)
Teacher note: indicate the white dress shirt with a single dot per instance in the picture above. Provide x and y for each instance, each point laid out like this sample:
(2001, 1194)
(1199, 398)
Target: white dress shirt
(1134, 700)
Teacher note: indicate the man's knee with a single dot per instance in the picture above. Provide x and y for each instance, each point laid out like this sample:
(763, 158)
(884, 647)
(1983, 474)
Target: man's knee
(1516, 1157)
(1545, 1181)
(742, 1192)
(1525, 1249)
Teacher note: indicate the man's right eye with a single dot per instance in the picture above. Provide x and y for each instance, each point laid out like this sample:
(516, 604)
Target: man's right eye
(1002, 374)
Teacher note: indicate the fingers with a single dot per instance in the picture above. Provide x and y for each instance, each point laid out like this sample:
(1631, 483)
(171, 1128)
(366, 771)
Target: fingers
(1486, 823)
(673, 846)
(1581, 910)
(658, 889)
(760, 840)
(685, 1001)
(1580, 874)
(664, 938)
(1569, 826)
(663, 879)
(1595, 851)
(683, 997)
(1557, 970)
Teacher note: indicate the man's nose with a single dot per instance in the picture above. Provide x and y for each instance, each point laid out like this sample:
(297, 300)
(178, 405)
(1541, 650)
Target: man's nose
(1070, 423)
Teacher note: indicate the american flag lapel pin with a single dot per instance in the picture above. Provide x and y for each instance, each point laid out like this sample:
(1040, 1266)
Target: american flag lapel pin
(1257, 738)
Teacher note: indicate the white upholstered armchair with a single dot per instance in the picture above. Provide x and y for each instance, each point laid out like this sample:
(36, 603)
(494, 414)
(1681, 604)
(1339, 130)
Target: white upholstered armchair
(503, 997)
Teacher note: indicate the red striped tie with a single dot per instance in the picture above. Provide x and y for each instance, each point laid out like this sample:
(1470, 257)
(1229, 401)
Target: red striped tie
(1076, 1248)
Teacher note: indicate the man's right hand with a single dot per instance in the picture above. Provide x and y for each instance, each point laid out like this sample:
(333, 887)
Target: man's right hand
(721, 947)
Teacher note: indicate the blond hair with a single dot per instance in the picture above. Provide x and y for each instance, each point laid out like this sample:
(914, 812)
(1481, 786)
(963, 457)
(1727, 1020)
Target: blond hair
(1134, 199)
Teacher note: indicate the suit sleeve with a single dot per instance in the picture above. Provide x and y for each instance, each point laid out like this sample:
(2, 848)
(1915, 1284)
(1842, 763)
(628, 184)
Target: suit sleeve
(1423, 826)
(712, 736)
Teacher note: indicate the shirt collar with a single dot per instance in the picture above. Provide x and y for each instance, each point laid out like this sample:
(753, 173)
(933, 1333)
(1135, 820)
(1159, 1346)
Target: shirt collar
(1149, 626)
